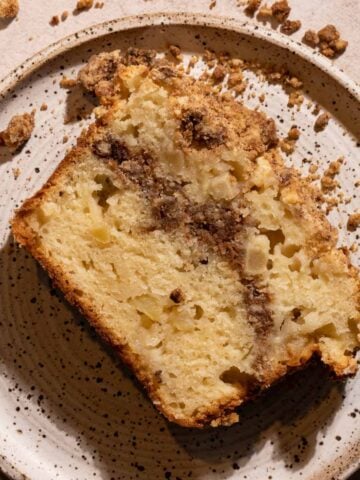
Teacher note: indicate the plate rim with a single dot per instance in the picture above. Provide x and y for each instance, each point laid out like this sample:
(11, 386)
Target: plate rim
(108, 27)
(155, 19)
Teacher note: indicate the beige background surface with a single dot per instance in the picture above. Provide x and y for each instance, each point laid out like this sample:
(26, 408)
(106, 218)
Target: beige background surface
(31, 31)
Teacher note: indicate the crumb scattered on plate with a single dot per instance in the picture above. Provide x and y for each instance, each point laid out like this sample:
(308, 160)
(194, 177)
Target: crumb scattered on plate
(18, 131)
(321, 122)
(252, 6)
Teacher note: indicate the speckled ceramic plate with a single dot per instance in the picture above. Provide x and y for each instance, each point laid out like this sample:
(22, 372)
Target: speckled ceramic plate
(69, 410)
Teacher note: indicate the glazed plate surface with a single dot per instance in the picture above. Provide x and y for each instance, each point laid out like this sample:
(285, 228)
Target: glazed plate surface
(69, 409)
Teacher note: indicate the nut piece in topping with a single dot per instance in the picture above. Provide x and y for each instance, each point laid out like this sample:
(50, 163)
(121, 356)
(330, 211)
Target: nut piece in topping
(84, 5)
(353, 222)
(290, 26)
(311, 38)
(252, 6)
(9, 8)
(280, 10)
(321, 122)
(177, 295)
(18, 131)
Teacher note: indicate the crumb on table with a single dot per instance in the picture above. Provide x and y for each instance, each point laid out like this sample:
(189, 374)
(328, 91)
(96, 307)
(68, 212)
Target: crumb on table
(321, 122)
(84, 4)
(290, 26)
(293, 133)
(280, 10)
(18, 131)
(54, 20)
(328, 182)
(311, 38)
(64, 15)
(9, 8)
(252, 6)
(265, 11)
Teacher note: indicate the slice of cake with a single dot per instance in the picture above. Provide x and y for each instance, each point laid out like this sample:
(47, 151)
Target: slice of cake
(176, 229)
